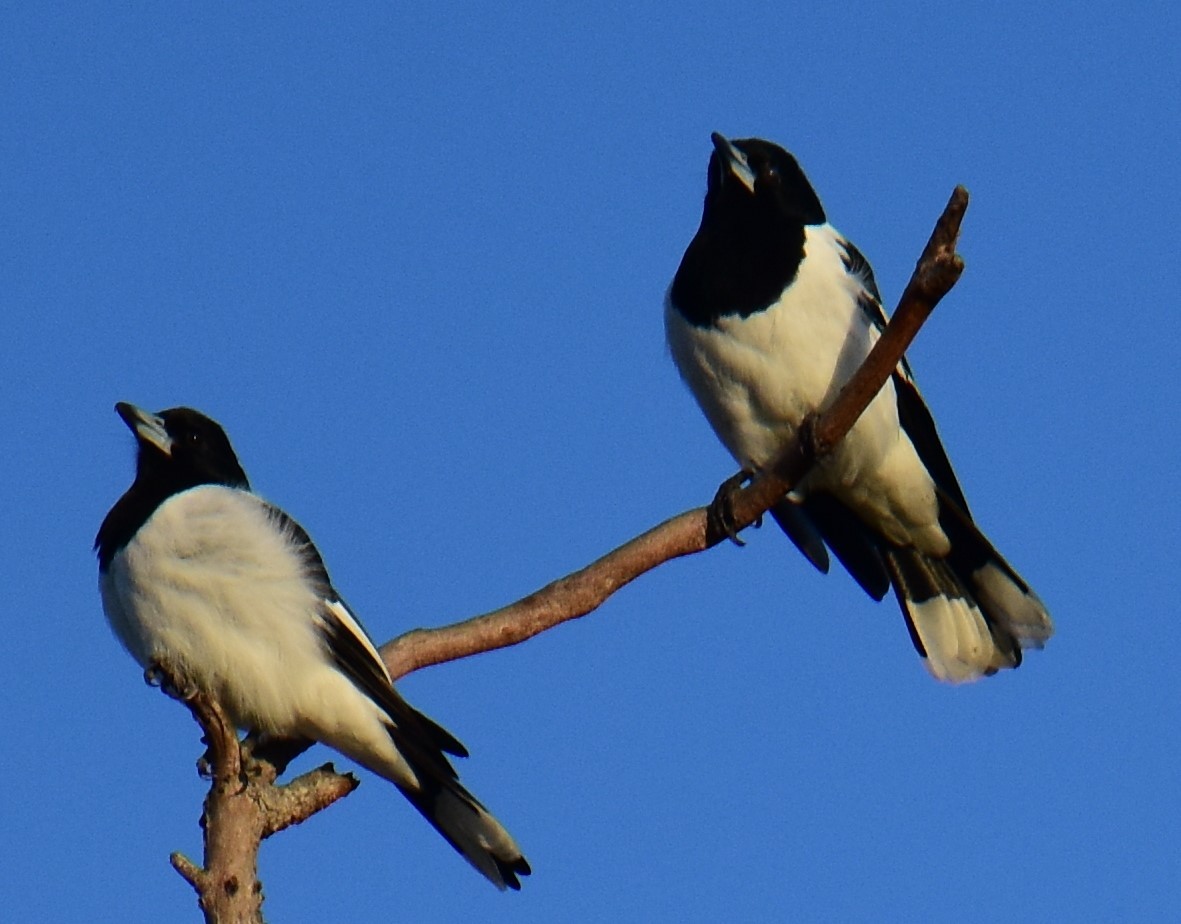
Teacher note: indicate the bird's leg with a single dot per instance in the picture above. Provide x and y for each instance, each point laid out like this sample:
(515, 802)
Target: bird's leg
(278, 752)
(720, 513)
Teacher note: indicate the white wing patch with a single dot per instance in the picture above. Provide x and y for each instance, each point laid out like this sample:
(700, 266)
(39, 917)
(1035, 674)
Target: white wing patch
(344, 617)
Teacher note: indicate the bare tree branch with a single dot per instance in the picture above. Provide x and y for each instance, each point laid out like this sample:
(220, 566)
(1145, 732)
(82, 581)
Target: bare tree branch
(299, 800)
(582, 592)
(244, 806)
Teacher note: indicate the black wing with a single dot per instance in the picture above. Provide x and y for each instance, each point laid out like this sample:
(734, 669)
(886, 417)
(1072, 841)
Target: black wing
(795, 522)
(871, 299)
(919, 425)
(913, 415)
(355, 653)
(856, 545)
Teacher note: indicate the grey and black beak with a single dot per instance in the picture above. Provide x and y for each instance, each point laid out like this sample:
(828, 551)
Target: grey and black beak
(148, 428)
(734, 160)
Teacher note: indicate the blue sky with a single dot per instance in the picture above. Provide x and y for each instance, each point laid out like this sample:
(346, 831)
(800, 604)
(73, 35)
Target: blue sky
(414, 259)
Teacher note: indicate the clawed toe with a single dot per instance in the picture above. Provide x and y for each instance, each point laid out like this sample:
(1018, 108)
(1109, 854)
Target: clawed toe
(720, 513)
(159, 675)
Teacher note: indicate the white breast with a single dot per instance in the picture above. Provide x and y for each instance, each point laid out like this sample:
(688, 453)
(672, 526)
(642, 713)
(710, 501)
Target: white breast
(757, 378)
(210, 585)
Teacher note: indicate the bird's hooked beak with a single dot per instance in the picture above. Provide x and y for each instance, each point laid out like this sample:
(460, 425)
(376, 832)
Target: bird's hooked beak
(148, 428)
(733, 161)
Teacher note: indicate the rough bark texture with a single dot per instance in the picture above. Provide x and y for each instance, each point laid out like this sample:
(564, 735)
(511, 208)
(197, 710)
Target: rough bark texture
(244, 804)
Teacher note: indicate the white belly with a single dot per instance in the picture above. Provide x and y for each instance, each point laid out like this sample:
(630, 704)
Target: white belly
(757, 378)
(176, 593)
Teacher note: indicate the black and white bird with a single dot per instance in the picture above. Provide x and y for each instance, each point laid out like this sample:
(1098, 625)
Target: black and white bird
(199, 572)
(770, 313)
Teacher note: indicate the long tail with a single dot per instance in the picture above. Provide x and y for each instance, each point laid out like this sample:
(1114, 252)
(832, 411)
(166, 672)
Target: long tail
(969, 614)
(411, 752)
(470, 829)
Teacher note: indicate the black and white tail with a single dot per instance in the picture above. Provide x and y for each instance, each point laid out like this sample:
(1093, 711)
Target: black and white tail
(419, 767)
(470, 829)
(969, 613)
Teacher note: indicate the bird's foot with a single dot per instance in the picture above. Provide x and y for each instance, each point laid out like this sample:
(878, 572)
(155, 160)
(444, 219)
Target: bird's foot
(261, 747)
(158, 674)
(720, 513)
(205, 764)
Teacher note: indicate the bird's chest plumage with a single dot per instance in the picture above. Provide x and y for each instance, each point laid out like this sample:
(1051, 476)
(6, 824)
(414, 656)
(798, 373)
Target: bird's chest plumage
(209, 585)
(757, 377)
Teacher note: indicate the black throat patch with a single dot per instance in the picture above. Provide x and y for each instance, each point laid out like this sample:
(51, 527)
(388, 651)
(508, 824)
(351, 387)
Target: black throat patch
(750, 244)
(736, 265)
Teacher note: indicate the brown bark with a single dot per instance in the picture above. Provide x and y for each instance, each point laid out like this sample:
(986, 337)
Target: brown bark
(577, 594)
(244, 805)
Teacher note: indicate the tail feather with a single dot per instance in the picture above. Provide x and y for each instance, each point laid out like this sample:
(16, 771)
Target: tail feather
(414, 762)
(957, 639)
(435, 790)
(471, 830)
(1000, 589)
(969, 614)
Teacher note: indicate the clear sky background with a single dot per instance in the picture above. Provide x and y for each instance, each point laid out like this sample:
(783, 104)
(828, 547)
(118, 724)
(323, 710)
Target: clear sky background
(413, 258)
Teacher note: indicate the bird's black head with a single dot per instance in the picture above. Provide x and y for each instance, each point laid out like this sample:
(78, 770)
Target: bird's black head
(751, 240)
(178, 449)
(181, 448)
(761, 182)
